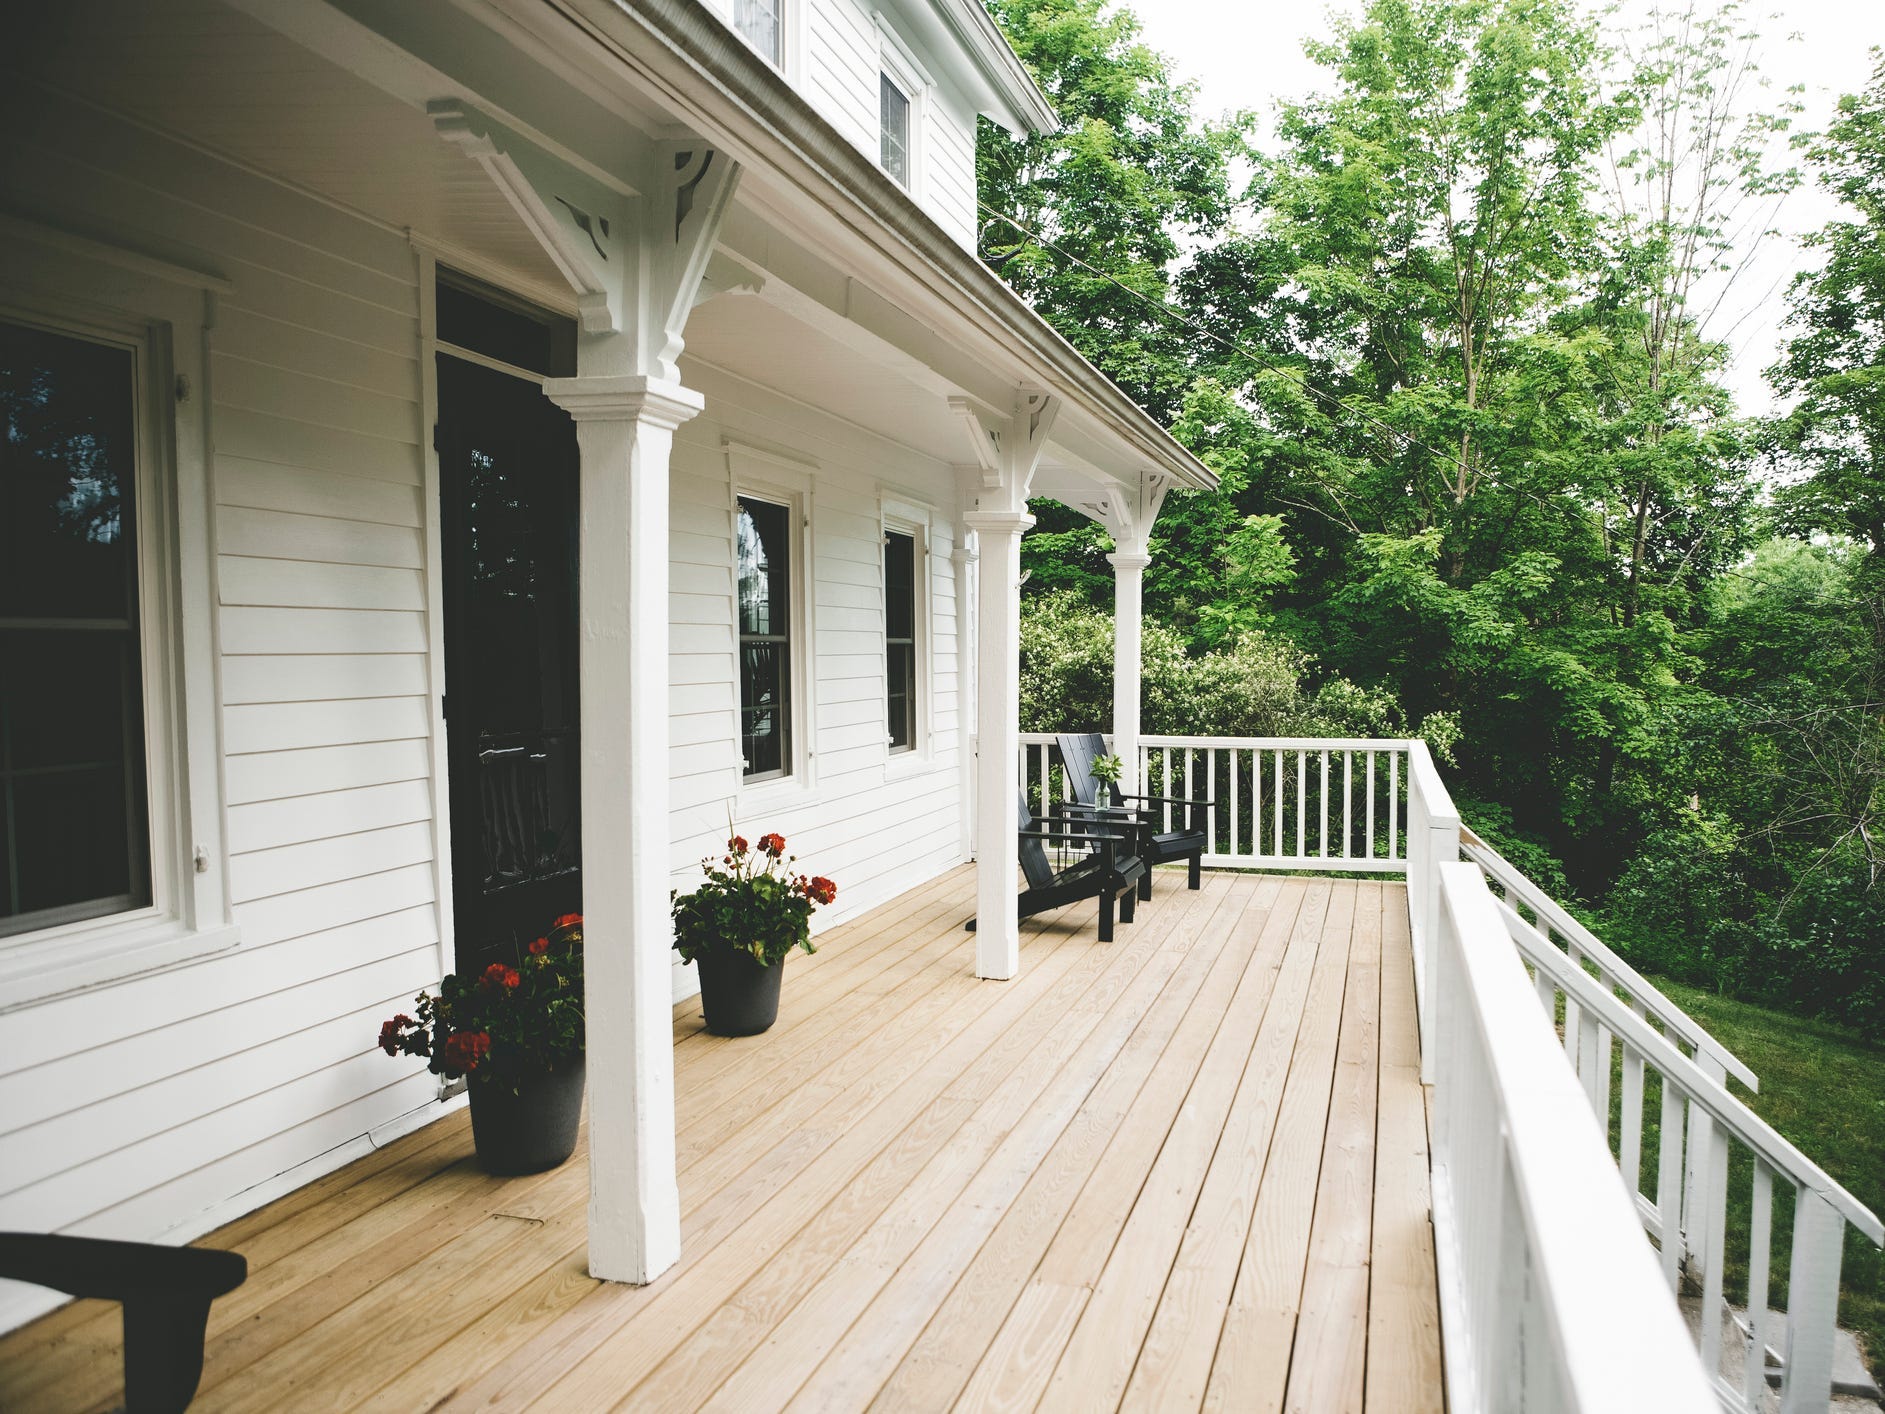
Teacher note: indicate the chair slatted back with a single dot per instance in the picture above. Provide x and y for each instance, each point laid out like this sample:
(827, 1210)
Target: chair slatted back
(1033, 852)
(1078, 752)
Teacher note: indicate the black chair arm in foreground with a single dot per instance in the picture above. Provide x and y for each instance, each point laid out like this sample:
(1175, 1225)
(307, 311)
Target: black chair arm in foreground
(1108, 873)
(1078, 752)
(166, 1294)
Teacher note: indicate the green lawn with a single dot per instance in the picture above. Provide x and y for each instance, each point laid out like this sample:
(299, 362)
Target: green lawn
(1824, 1089)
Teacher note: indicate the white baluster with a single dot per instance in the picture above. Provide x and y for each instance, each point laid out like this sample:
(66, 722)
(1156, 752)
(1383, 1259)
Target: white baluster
(1714, 1217)
(1302, 804)
(1236, 779)
(1760, 1244)
(1630, 1146)
(1367, 849)
(1277, 803)
(1210, 816)
(1348, 801)
(1394, 805)
(1812, 1303)
(1325, 804)
(1669, 1181)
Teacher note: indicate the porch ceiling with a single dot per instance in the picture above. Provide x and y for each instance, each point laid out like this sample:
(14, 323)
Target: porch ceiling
(1189, 1163)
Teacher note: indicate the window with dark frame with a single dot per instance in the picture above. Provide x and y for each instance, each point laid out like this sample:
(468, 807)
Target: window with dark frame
(893, 108)
(74, 822)
(758, 21)
(900, 638)
(764, 565)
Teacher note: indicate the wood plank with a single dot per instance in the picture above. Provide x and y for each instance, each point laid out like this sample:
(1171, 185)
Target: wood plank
(1099, 1359)
(1252, 1363)
(1014, 1368)
(1328, 1364)
(1174, 1363)
(1007, 1137)
(1404, 1370)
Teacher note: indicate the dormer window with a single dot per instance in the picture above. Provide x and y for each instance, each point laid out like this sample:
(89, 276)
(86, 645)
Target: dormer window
(893, 107)
(758, 22)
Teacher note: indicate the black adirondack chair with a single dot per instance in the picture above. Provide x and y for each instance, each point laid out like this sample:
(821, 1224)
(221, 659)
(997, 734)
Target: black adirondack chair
(1078, 752)
(165, 1292)
(1106, 872)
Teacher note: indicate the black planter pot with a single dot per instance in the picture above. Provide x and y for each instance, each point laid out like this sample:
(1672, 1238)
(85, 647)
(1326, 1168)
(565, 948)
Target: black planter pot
(532, 1130)
(738, 994)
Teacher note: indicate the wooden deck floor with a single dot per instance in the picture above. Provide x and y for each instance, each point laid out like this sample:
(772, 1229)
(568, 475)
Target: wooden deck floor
(1186, 1169)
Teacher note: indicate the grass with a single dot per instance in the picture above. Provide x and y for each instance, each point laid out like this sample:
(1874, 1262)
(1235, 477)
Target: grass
(1822, 1087)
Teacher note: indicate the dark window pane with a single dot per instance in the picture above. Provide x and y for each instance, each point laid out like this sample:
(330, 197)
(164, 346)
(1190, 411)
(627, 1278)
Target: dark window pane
(899, 585)
(475, 316)
(902, 696)
(893, 110)
(67, 449)
(764, 578)
(72, 781)
(765, 707)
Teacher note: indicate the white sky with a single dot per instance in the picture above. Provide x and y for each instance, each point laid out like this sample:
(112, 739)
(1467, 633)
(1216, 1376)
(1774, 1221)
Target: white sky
(1246, 55)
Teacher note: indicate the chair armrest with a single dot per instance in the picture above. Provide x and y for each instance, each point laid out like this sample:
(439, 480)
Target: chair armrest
(1073, 807)
(116, 1271)
(1173, 799)
(1071, 837)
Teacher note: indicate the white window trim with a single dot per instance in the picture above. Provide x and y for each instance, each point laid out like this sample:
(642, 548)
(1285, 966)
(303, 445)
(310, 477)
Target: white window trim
(899, 61)
(791, 34)
(768, 475)
(162, 313)
(913, 519)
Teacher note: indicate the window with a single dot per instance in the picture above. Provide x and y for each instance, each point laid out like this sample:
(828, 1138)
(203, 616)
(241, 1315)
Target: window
(758, 22)
(893, 108)
(900, 639)
(764, 587)
(74, 812)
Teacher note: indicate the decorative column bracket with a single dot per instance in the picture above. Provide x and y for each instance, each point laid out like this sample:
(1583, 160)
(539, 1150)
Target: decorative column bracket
(1128, 512)
(633, 255)
(1007, 452)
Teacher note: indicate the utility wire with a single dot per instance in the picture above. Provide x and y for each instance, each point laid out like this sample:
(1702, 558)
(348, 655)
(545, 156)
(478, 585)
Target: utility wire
(1235, 345)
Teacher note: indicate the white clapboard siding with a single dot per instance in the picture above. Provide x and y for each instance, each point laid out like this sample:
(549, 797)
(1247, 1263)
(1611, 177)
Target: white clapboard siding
(949, 166)
(841, 68)
(136, 1109)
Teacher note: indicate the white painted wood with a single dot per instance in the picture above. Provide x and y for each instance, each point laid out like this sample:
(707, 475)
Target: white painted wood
(1760, 1258)
(1812, 1302)
(1128, 585)
(1536, 1312)
(998, 637)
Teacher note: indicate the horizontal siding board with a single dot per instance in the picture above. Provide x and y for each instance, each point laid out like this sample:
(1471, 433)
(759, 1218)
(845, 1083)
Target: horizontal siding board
(277, 631)
(283, 916)
(279, 535)
(281, 775)
(286, 726)
(80, 1021)
(269, 824)
(249, 334)
(322, 677)
(261, 437)
(292, 867)
(312, 584)
(298, 395)
(267, 486)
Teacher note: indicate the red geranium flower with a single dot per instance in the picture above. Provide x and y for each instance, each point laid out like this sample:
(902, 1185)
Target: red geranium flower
(501, 974)
(821, 890)
(390, 1033)
(464, 1049)
(772, 844)
(539, 946)
(568, 920)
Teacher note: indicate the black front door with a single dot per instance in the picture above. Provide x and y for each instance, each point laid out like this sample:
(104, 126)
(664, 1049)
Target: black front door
(507, 491)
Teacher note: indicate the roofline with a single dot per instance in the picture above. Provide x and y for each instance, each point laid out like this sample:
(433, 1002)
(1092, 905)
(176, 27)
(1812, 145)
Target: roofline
(681, 52)
(982, 37)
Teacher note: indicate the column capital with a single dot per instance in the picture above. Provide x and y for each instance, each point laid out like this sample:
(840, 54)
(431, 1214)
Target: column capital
(985, 522)
(1128, 560)
(627, 397)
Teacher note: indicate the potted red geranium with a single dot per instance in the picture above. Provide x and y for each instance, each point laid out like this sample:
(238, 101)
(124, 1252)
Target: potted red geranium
(516, 1035)
(737, 927)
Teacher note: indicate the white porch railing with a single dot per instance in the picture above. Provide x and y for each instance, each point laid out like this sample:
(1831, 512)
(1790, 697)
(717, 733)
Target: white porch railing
(1276, 802)
(1550, 1297)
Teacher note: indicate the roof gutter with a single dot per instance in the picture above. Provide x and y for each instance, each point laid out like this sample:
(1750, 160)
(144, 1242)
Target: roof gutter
(707, 76)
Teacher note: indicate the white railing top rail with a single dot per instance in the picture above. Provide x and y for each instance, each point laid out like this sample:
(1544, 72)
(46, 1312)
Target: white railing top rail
(1740, 1121)
(1617, 1338)
(1520, 888)
(1424, 776)
(1243, 743)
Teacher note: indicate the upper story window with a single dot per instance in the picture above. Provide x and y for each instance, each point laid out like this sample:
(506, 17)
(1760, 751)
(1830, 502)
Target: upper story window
(764, 588)
(74, 812)
(893, 107)
(759, 22)
(900, 701)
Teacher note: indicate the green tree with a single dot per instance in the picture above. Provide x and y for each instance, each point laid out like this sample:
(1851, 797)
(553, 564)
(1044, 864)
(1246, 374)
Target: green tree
(1834, 364)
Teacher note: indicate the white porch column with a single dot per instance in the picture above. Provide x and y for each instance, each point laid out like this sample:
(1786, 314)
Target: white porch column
(625, 430)
(1128, 582)
(998, 737)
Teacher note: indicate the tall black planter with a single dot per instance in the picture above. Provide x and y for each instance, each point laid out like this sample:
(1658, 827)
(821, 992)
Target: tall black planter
(532, 1130)
(738, 994)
